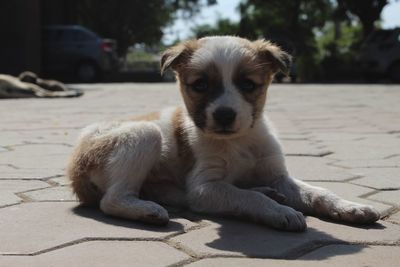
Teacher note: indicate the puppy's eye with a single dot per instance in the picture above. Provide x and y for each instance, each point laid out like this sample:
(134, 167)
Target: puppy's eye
(247, 85)
(200, 86)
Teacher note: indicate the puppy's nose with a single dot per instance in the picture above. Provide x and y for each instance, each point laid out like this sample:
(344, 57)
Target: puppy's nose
(224, 116)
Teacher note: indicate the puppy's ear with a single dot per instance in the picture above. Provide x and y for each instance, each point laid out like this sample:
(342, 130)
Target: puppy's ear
(177, 55)
(280, 60)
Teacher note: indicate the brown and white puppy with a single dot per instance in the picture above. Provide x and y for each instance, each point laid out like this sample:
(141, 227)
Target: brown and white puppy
(218, 155)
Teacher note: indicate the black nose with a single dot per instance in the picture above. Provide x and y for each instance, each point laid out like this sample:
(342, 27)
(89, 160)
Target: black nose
(224, 116)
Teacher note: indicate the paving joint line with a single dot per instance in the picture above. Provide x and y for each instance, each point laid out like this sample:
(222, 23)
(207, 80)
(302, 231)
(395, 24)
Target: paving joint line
(320, 155)
(39, 129)
(10, 205)
(179, 246)
(43, 179)
(11, 166)
(27, 143)
(386, 218)
(374, 188)
(301, 251)
(84, 240)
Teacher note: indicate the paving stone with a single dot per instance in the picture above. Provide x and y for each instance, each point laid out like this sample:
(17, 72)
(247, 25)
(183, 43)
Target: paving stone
(59, 193)
(11, 172)
(392, 162)
(380, 232)
(9, 188)
(314, 169)
(333, 137)
(395, 218)
(357, 123)
(370, 146)
(359, 152)
(38, 156)
(102, 253)
(353, 192)
(392, 197)
(379, 178)
(55, 136)
(354, 255)
(32, 227)
(229, 237)
(300, 148)
(332, 255)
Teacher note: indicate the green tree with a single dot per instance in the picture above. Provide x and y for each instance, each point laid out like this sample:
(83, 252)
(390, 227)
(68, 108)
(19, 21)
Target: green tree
(338, 45)
(367, 11)
(291, 24)
(222, 27)
(133, 21)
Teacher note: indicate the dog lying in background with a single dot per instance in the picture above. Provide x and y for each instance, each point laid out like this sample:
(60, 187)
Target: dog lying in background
(29, 85)
(217, 155)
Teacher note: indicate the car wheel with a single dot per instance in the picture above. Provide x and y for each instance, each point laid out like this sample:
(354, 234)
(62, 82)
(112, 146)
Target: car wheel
(87, 72)
(394, 72)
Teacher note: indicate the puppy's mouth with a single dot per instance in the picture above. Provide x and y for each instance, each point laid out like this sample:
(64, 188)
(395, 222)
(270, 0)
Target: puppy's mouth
(224, 131)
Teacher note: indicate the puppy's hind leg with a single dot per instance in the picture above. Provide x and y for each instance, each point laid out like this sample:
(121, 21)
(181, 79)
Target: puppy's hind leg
(137, 150)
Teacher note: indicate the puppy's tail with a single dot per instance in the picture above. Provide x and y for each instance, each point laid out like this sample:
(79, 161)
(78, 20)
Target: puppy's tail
(88, 156)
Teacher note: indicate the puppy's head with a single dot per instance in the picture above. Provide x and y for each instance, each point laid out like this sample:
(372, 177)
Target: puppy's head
(224, 80)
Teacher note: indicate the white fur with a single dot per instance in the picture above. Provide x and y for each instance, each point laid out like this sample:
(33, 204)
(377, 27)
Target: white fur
(231, 98)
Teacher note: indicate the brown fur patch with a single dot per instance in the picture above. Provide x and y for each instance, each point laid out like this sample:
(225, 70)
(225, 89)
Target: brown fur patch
(89, 155)
(261, 75)
(197, 102)
(177, 56)
(185, 153)
(153, 116)
(278, 59)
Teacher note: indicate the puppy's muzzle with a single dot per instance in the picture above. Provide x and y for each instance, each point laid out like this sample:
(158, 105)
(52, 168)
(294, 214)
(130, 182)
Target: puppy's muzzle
(224, 117)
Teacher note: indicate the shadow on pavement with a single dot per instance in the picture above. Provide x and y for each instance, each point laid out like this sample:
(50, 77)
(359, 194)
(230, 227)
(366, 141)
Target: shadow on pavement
(255, 240)
(246, 238)
(96, 214)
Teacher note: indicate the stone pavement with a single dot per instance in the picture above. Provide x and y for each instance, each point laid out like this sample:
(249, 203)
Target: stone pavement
(342, 137)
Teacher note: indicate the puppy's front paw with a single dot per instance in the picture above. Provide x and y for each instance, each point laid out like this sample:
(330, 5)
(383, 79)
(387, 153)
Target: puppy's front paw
(271, 193)
(155, 214)
(354, 213)
(288, 219)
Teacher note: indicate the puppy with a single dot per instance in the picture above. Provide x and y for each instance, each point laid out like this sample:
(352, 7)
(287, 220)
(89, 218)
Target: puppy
(218, 155)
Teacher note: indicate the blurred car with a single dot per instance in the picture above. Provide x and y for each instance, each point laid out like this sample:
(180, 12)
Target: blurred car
(380, 55)
(77, 50)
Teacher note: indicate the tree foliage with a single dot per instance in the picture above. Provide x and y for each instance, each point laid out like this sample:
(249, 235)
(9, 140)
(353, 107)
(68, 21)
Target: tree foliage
(222, 27)
(367, 11)
(133, 21)
(289, 23)
(321, 34)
